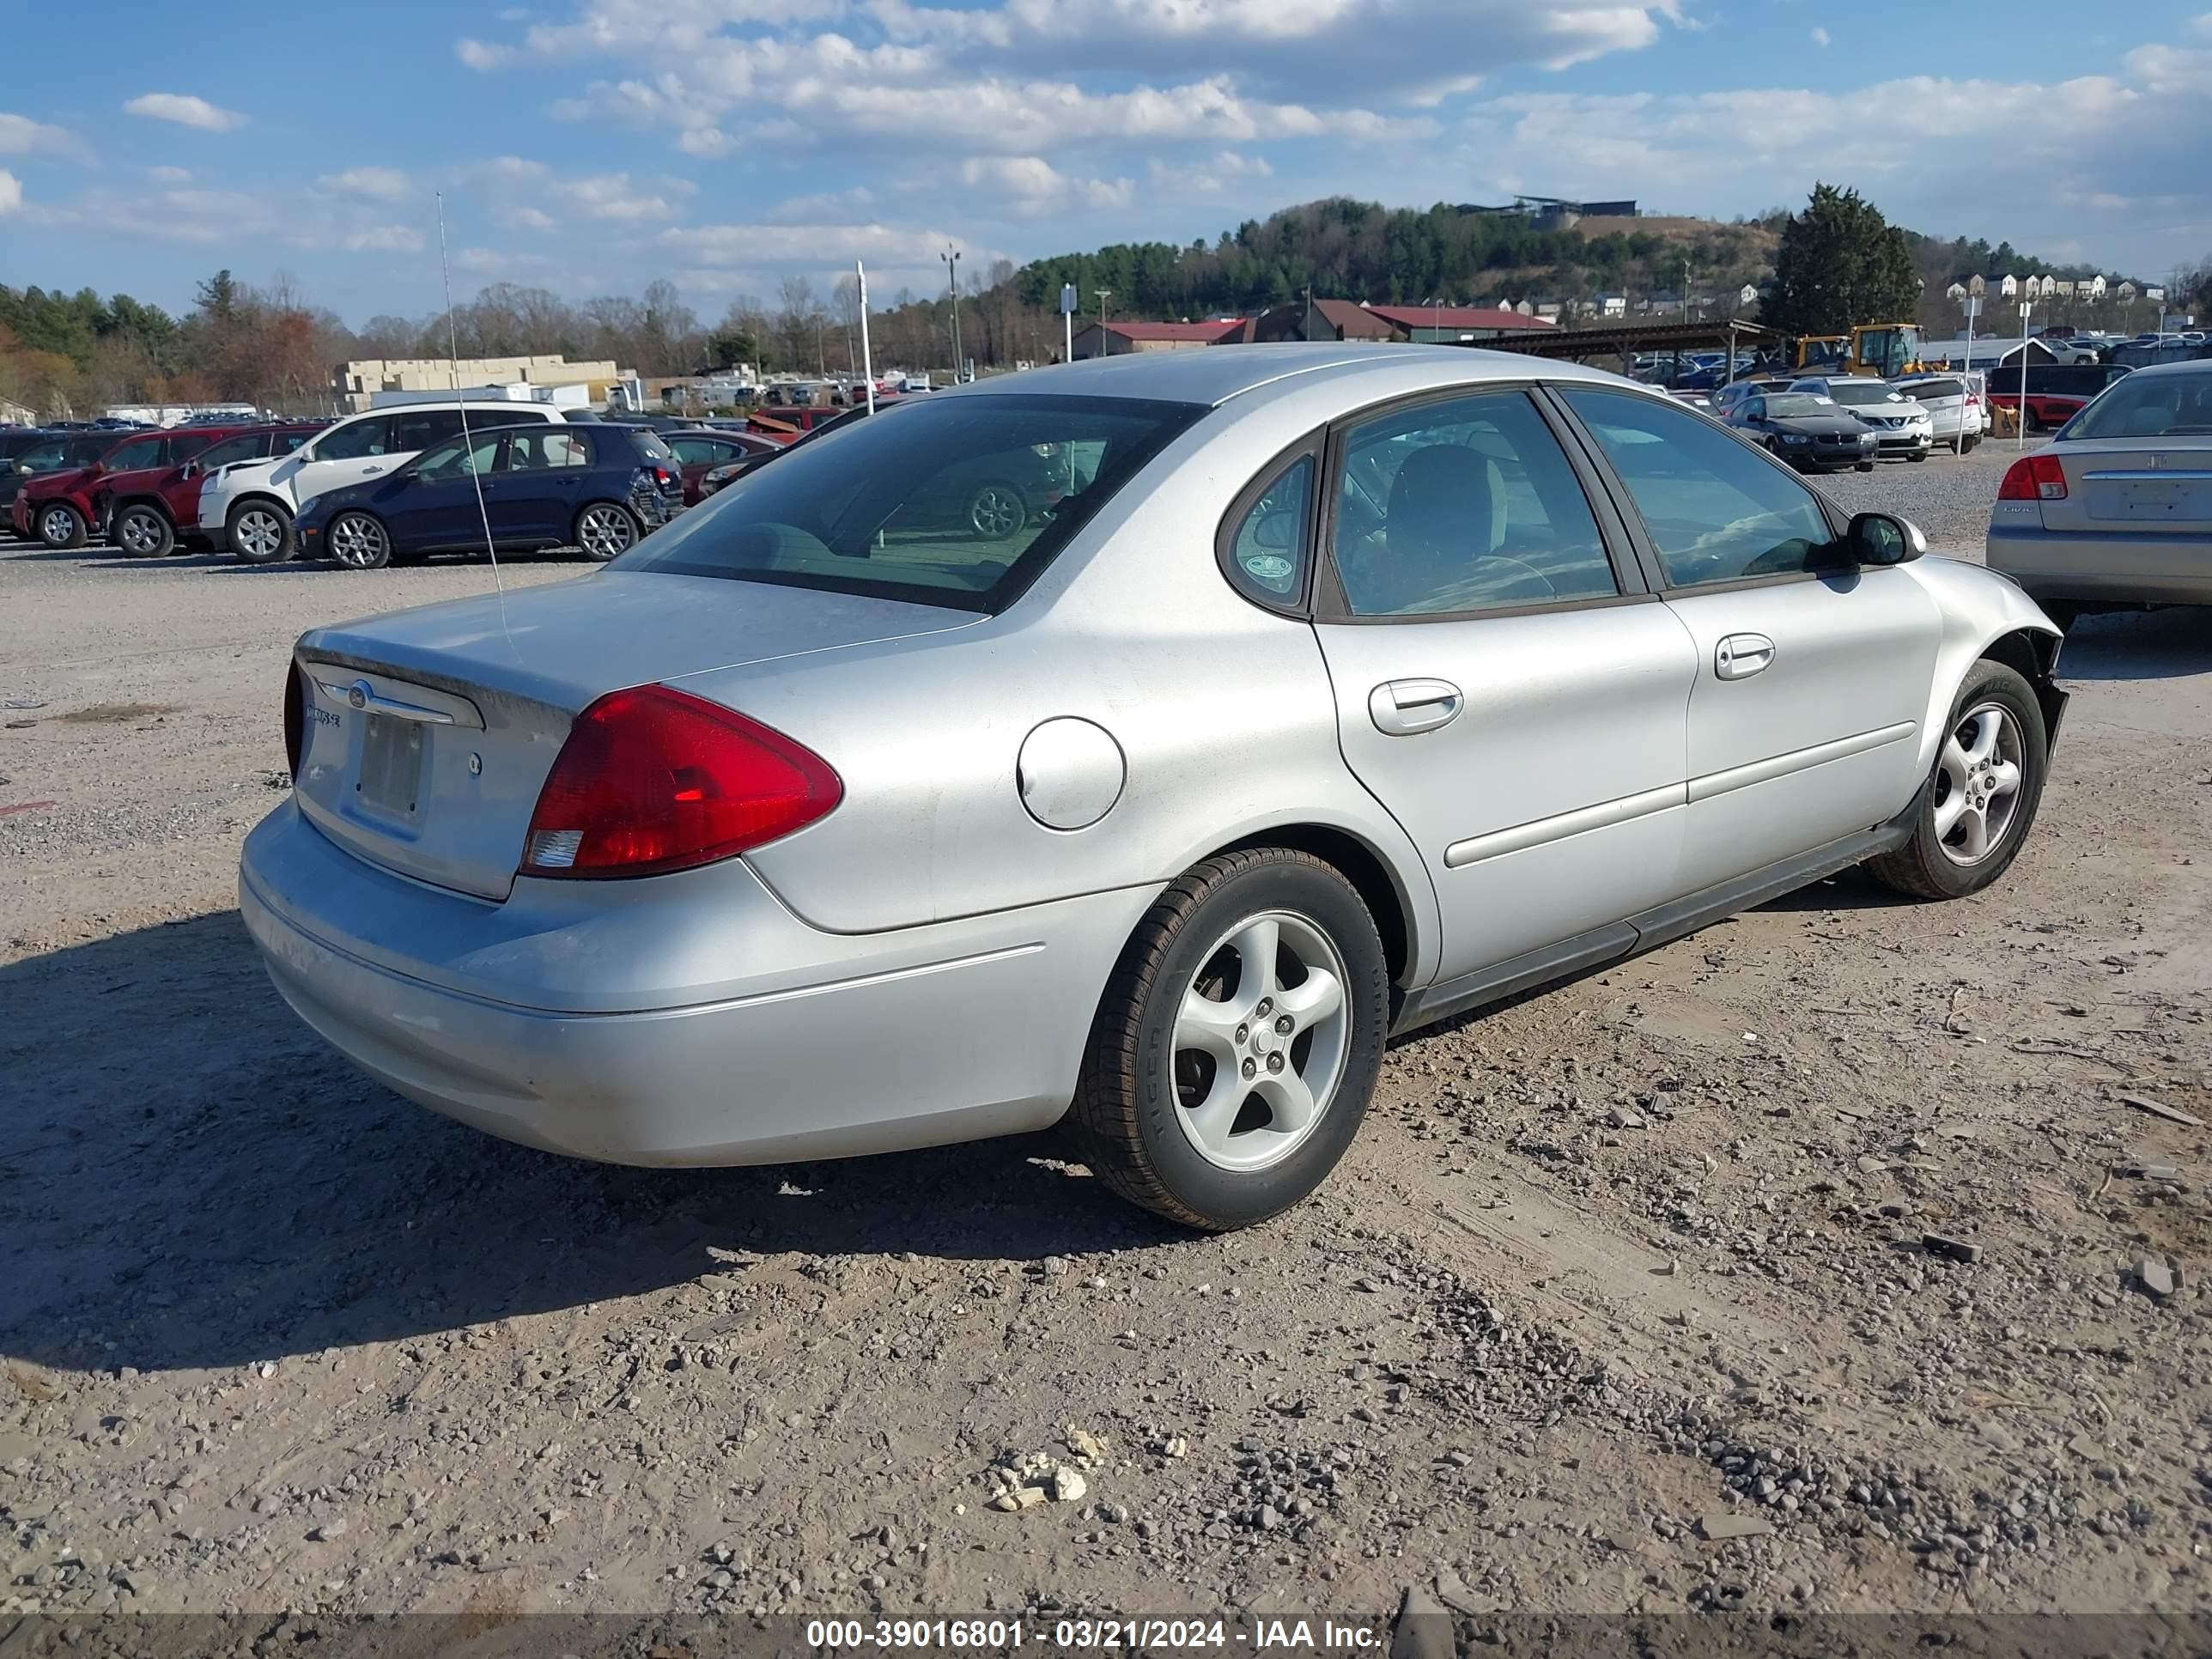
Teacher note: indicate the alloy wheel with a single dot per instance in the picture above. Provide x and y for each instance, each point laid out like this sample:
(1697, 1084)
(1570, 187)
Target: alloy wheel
(57, 526)
(138, 534)
(996, 512)
(1260, 1041)
(1977, 781)
(258, 533)
(604, 532)
(358, 541)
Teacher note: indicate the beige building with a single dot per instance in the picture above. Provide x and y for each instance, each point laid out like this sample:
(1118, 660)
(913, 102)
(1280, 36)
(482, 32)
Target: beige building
(356, 383)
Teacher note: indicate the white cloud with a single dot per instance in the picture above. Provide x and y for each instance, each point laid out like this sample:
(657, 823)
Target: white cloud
(170, 175)
(1207, 176)
(186, 109)
(385, 239)
(829, 207)
(11, 192)
(708, 144)
(1030, 187)
(816, 247)
(612, 196)
(377, 183)
(524, 218)
(1820, 36)
(20, 136)
(480, 56)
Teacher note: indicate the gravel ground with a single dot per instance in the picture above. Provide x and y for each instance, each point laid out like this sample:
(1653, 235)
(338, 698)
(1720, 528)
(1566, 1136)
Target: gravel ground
(1619, 1302)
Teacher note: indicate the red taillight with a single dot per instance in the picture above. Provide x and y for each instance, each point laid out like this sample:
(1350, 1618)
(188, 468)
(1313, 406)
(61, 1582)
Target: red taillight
(2033, 479)
(295, 719)
(653, 779)
(664, 477)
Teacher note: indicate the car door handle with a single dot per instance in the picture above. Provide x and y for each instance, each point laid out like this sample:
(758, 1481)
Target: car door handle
(1403, 709)
(366, 470)
(1739, 656)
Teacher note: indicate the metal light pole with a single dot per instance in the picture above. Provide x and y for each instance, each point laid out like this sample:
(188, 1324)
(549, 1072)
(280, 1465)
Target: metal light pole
(2024, 309)
(1104, 294)
(952, 257)
(1308, 328)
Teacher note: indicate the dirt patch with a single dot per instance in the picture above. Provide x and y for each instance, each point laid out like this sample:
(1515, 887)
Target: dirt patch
(117, 714)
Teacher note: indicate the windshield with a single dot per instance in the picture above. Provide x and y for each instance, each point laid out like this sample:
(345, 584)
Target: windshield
(2149, 406)
(1796, 405)
(1859, 397)
(959, 502)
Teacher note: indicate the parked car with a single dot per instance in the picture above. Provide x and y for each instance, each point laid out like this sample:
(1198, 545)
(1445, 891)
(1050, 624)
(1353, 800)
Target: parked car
(1811, 433)
(1902, 425)
(599, 486)
(809, 829)
(153, 516)
(783, 423)
(2117, 510)
(1956, 405)
(66, 507)
(701, 453)
(2056, 392)
(248, 506)
(29, 452)
(1736, 390)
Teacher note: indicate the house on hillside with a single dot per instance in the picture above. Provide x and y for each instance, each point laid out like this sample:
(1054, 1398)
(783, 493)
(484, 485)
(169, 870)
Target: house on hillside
(2009, 287)
(2091, 287)
(1612, 305)
(1115, 339)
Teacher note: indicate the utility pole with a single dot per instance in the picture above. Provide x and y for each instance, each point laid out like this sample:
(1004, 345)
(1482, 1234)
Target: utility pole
(1685, 287)
(1104, 294)
(1309, 327)
(952, 257)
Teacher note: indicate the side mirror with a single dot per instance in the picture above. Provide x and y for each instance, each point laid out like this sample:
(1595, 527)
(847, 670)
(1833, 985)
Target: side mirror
(1879, 538)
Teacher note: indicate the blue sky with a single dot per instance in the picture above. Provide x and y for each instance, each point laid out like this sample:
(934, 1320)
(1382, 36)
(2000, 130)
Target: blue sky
(590, 146)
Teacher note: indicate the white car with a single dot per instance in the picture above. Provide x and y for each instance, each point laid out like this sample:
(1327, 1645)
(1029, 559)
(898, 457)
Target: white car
(1902, 425)
(1957, 405)
(248, 507)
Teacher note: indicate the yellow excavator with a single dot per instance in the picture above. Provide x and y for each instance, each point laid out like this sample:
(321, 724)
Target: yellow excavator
(1885, 351)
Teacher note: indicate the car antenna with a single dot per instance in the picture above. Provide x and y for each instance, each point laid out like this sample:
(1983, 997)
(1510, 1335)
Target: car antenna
(468, 451)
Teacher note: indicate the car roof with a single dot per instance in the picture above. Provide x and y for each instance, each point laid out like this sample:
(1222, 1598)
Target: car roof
(1215, 374)
(2179, 365)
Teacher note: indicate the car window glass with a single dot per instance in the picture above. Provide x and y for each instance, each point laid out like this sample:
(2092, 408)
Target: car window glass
(1924, 390)
(950, 502)
(1465, 505)
(459, 456)
(694, 451)
(1715, 509)
(2149, 406)
(418, 429)
(44, 458)
(355, 440)
(285, 442)
(183, 446)
(648, 444)
(1267, 554)
(147, 451)
(247, 446)
(540, 451)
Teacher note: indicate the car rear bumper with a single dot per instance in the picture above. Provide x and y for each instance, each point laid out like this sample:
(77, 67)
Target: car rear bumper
(793, 1044)
(2083, 565)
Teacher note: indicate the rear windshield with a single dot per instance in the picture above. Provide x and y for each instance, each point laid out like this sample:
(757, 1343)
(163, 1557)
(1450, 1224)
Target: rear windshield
(1924, 390)
(959, 502)
(1796, 405)
(2149, 406)
(648, 443)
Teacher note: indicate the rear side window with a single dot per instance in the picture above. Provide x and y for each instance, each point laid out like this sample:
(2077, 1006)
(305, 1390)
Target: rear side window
(1468, 504)
(419, 428)
(146, 451)
(547, 450)
(357, 439)
(1715, 509)
(955, 502)
(247, 446)
(1266, 548)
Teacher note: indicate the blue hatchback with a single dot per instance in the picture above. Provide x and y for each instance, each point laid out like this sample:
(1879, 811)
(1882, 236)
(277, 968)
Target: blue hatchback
(596, 486)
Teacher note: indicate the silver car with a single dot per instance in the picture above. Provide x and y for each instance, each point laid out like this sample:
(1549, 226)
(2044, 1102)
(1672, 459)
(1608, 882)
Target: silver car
(1331, 691)
(1957, 404)
(1902, 425)
(2116, 508)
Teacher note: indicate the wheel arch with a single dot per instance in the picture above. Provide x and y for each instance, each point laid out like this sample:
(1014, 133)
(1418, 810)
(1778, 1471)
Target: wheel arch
(259, 498)
(2033, 655)
(1373, 875)
(123, 504)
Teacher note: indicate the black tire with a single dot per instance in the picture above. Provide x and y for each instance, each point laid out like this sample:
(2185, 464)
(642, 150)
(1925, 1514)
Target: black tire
(409, 556)
(143, 532)
(996, 510)
(1917, 455)
(1922, 868)
(59, 525)
(1128, 1117)
(269, 535)
(1862, 466)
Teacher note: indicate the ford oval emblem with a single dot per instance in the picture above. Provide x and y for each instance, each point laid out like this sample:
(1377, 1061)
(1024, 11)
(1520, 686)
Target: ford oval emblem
(358, 696)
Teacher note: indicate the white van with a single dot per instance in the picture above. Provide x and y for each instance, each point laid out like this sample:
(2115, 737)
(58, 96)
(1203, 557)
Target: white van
(248, 506)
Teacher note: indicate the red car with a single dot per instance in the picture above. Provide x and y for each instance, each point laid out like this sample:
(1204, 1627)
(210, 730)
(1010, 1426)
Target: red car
(700, 452)
(783, 425)
(143, 488)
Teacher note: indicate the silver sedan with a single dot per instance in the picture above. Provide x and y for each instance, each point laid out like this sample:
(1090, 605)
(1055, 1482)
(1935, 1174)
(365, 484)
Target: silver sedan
(2115, 511)
(1298, 697)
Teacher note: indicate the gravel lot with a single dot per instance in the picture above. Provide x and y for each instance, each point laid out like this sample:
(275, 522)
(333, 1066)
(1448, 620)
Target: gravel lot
(1612, 1273)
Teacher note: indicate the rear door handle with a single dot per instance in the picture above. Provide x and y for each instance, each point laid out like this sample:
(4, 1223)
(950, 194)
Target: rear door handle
(1739, 656)
(1402, 708)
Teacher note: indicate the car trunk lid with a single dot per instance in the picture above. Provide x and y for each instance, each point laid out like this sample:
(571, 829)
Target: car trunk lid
(2156, 485)
(429, 732)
